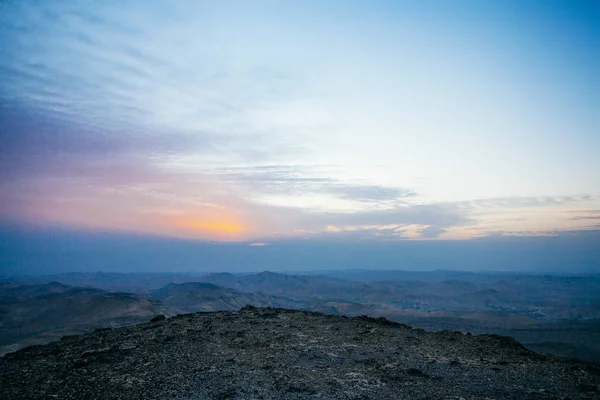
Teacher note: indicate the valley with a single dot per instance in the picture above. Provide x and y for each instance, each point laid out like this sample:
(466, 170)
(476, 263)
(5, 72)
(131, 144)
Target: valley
(555, 314)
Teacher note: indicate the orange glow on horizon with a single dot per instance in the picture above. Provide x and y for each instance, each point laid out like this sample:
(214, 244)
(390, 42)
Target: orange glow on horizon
(212, 227)
(227, 227)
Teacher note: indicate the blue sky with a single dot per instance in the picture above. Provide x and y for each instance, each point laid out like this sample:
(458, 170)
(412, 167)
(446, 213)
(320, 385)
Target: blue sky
(263, 121)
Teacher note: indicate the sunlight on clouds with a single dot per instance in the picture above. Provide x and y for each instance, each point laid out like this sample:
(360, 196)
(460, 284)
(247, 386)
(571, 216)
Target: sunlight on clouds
(164, 205)
(391, 231)
(238, 135)
(411, 231)
(532, 218)
(546, 220)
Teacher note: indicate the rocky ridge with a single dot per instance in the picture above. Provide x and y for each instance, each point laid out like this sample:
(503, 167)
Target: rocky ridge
(269, 353)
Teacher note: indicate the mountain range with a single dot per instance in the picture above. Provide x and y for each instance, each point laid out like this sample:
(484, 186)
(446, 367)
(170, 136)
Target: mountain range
(548, 313)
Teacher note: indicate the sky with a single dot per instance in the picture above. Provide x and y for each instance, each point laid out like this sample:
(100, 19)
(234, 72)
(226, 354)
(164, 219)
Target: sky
(268, 121)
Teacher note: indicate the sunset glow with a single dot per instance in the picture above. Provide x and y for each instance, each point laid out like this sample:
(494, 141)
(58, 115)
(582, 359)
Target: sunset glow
(209, 228)
(383, 121)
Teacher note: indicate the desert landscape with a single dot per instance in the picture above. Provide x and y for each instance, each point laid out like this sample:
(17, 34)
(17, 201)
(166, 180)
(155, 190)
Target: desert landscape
(547, 313)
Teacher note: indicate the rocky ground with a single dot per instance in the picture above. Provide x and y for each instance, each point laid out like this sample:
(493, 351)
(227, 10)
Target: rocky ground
(271, 353)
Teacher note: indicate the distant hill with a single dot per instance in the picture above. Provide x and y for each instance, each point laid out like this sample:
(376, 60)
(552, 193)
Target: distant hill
(40, 313)
(202, 296)
(532, 308)
(116, 282)
(291, 286)
(11, 293)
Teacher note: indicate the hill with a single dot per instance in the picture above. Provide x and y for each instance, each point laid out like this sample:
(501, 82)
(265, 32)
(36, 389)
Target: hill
(295, 286)
(284, 354)
(545, 312)
(41, 313)
(201, 296)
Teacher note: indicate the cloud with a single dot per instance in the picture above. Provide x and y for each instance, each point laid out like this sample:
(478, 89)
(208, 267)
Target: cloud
(82, 86)
(430, 214)
(99, 112)
(431, 231)
(369, 193)
(406, 222)
(533, 201)
(383, 232)
(491, 234)
(287, 183)
(104, 122)
(276, 178)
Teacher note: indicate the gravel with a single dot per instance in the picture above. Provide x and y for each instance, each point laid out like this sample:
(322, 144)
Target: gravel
(269, 353)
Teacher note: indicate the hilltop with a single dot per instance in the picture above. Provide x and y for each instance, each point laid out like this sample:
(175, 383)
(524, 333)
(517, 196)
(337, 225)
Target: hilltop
(269, 353)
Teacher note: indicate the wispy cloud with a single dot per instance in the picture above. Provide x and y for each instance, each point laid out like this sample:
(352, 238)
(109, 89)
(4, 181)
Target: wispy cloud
(531, 201)
(197, 119)
(586, 217)
(263, 183)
